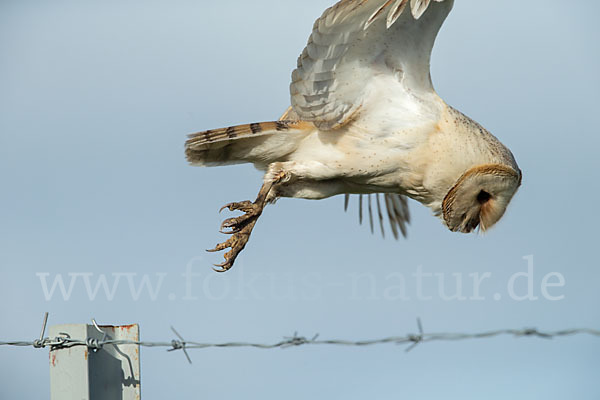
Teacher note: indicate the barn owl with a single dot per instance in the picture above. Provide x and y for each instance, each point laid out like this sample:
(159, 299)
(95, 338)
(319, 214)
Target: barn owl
(365, 119)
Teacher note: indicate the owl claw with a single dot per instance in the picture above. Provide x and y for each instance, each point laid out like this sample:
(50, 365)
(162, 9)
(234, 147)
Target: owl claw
(219, 247)
(236, 224)
(244, 206)
(220, 268)
(240, 228)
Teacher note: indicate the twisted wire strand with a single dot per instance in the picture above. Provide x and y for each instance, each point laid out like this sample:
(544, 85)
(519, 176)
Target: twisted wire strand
(413, 340)
(294, 341)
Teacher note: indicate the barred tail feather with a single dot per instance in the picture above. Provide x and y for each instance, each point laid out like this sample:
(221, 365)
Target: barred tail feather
(259, 143)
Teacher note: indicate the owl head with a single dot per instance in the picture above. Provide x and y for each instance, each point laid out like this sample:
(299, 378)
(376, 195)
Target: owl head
(480, 197)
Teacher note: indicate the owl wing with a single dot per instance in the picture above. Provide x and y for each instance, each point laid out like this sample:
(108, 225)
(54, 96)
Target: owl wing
(396, 206)
(354, 44)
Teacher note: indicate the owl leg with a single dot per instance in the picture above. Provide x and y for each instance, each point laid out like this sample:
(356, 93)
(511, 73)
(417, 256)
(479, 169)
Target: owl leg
(240, 228)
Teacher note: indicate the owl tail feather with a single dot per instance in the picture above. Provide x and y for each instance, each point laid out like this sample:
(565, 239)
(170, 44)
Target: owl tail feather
(259, 143)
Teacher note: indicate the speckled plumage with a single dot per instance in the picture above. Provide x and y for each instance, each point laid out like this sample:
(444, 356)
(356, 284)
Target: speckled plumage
(365, 120)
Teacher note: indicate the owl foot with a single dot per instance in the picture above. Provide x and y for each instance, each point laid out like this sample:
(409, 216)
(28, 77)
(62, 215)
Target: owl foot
(240, 228)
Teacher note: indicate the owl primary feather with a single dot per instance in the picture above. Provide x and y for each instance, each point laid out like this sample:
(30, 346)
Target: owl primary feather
(365, 119)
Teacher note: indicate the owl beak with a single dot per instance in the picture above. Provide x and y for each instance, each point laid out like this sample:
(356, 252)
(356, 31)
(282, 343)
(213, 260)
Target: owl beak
(467, 225)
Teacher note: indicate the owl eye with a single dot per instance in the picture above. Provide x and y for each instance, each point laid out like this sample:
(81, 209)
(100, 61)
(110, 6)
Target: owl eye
(483, 197)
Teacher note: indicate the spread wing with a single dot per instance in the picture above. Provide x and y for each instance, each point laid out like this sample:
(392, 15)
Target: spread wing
(357, 42)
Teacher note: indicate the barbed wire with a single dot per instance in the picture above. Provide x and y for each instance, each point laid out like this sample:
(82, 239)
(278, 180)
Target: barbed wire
(180, 343)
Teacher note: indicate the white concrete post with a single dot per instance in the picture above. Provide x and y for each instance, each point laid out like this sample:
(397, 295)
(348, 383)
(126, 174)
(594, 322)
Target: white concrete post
(111, 373)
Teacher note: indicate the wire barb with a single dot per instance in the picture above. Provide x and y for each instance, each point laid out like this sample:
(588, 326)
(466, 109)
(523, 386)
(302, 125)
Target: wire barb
(416, 339)
(38, 344)
(179, 345)
(95, 344)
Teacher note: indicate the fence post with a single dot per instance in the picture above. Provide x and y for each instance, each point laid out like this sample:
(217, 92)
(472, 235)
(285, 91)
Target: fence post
(82, 373)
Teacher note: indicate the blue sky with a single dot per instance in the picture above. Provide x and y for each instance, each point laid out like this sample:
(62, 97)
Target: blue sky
(96, 102)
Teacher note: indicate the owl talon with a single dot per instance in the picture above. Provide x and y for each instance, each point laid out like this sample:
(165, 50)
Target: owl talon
(244, 206)
(223, 267)
(237, 224)
(219, 247)
(241, 227)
